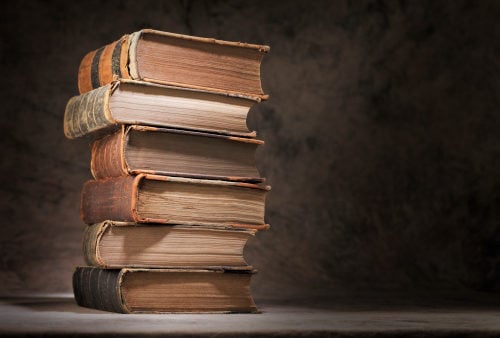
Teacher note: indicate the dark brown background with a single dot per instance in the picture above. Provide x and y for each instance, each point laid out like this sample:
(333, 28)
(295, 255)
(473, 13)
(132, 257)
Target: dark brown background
(382, 139)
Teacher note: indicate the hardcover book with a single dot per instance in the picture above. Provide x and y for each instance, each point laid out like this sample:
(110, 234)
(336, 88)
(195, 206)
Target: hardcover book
(135, 102)
(163, 290)
(116, 245)
(173, 200)
(142, 149)
(176, 59)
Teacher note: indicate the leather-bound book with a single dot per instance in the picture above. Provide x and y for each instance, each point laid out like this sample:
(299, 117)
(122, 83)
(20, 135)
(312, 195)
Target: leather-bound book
(113, 244)
(173, 200)
(152, 150)
(164, 290)
(178, 60)
(136, 102)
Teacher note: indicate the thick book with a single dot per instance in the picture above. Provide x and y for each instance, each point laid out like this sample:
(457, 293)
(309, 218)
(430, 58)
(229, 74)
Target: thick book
(148, 198)
(113, 244)
(164, 290)
(176, 59)
(135, 102)
(172, 152)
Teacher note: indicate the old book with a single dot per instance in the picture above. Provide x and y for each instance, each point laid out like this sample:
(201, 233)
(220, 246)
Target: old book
(117, 244)
(175, 59)
(173, 200)
(142, 149)
(134, 102)
(163, 290)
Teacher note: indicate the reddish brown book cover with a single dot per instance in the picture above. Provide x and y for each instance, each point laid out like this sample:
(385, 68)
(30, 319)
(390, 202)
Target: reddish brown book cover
(174, 200)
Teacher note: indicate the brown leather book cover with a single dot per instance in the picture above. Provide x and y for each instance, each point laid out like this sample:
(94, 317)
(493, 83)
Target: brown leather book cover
(102, 66)
(118, 199)
(108, 156)
(110, 199)
(185, 153)
(121, 59)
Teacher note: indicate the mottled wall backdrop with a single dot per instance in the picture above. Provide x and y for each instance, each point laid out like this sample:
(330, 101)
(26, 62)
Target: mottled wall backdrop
(382, 138)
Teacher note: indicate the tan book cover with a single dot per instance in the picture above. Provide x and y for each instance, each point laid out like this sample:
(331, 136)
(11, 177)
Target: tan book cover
(139, 102)
(113, 244)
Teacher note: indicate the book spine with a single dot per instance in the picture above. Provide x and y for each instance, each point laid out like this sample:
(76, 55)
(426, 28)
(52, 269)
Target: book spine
(91, 238)
(110, 199)
(87, 113)
(98, 289)
(104, 65)
(108, 156)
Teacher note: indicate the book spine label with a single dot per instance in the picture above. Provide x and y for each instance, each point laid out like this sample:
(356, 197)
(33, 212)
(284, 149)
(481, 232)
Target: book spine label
(110, 199)
(108, 157)
(91, 238)
(104, 65)
(98, 289)
(87, 113)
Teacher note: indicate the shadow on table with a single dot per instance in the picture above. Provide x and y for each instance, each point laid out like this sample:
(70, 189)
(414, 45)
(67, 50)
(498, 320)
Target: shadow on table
(46, 303)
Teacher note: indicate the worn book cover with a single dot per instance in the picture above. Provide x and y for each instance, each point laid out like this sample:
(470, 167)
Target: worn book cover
(112, 244)
(178, 60)
(165, 151)
(164, 290)
(173, 200)
(139, 102)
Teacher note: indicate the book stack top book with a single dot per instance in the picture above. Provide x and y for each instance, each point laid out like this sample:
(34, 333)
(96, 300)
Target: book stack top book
(176, 59)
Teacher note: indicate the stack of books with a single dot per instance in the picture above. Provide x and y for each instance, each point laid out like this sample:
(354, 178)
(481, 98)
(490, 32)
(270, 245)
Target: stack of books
(176, 193)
